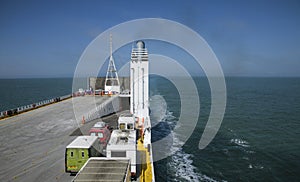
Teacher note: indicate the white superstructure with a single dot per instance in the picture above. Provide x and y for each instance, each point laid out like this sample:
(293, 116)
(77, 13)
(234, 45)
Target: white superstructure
(126, 121)
(123, 144)
(139, 81)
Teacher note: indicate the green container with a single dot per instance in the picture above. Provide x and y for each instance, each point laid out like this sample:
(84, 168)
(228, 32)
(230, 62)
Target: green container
(79, 151)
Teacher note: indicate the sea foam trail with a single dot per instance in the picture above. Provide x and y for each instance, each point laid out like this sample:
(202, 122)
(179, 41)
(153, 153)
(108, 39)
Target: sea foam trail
(240, 142)
(158, 108)
(181, 163)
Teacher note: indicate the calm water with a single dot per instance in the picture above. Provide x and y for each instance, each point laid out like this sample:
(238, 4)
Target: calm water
(259, 139)
(20, 92)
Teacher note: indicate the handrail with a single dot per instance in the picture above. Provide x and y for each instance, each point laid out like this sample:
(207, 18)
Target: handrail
(21, 109)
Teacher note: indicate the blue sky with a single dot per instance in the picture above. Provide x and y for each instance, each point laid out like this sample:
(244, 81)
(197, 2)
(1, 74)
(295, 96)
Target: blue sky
(250, 38)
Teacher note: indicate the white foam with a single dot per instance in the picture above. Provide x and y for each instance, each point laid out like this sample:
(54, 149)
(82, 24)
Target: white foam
(240, 142)
(259, 167)
(230, 130)
(245, 158)
(181, 162)
(255, 166)
(158, 108)
(250, 152)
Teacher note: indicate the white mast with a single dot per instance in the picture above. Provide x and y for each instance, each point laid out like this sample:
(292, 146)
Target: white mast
(112, 83)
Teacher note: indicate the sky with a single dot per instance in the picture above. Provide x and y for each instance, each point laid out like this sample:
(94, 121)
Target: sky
(249, 38)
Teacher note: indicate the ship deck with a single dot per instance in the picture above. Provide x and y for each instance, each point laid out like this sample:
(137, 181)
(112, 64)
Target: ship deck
(33, 143)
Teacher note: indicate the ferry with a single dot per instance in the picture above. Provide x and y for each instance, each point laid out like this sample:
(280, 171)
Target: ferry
(129, 149)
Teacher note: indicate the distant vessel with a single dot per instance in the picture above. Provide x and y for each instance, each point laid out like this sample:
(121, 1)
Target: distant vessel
(129, 144)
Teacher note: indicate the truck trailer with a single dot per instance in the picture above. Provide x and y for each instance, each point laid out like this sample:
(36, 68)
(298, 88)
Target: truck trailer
(104, 169)
(79, 151)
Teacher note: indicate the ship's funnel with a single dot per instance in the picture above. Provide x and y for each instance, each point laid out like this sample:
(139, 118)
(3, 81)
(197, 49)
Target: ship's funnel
(140, 44)
(139, 80)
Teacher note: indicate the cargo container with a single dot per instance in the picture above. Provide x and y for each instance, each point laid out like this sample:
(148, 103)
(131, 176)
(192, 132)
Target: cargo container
(79, 151)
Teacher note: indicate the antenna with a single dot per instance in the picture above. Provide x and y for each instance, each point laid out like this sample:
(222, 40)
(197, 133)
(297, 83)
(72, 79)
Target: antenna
(110, 41)
(112, 83)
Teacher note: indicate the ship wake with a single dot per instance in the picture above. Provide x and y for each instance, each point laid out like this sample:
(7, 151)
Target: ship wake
(180, 164)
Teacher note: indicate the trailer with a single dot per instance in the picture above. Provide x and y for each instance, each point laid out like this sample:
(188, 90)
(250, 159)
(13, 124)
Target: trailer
(102, 131)
(122, 144)
(104, 169)
(79, 151)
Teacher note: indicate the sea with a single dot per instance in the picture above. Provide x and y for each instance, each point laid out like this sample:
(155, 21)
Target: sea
(259, 138)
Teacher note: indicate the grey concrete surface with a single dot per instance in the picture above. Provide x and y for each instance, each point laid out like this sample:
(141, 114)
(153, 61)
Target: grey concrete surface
(32, 144)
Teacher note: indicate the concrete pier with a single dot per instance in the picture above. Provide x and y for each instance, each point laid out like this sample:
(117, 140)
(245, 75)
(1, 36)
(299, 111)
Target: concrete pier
(32, 146)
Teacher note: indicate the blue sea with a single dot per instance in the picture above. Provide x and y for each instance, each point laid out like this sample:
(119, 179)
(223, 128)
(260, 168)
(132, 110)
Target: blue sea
(259, 139)
(20, 92)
